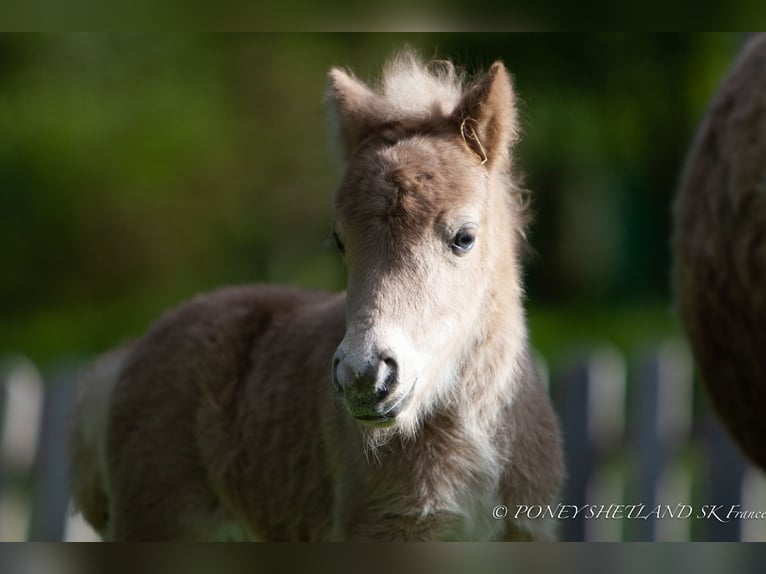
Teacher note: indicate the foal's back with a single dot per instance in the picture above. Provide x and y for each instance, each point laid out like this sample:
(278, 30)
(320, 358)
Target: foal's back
(214, 379)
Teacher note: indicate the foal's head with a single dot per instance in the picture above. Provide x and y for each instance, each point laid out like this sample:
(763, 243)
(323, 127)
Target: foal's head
(425, 219)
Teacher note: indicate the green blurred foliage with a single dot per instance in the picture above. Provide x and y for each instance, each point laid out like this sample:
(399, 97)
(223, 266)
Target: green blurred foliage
(139, 169)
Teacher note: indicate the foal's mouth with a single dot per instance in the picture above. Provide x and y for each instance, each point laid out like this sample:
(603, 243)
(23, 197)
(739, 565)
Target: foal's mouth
(376, 420)
(370, 414)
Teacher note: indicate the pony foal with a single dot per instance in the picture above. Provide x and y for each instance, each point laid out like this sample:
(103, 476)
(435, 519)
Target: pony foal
(406, 409)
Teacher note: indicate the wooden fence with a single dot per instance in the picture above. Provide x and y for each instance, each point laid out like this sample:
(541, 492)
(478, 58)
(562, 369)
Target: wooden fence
(637, 433)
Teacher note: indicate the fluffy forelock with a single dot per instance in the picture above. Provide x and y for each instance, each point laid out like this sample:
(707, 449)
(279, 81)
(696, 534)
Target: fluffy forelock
(413, 88)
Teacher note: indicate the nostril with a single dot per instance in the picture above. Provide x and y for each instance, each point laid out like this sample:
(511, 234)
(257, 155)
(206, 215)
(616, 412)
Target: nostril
(391, 364)
(388, 373)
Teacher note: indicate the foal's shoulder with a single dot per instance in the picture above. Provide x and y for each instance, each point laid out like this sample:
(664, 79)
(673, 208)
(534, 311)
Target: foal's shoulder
(215, 331)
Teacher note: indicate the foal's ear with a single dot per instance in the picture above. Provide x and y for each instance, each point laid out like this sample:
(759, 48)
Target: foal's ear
(486, 116)
(353, 106)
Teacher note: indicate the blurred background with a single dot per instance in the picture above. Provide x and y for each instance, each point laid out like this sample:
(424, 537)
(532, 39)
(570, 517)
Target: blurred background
(137, 170)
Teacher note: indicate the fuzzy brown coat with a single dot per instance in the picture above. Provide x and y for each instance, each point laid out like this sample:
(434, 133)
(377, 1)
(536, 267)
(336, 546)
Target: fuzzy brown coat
(720, 250)
(222, 421)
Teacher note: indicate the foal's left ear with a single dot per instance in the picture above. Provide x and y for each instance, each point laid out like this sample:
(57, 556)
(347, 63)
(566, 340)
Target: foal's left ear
(486, 116)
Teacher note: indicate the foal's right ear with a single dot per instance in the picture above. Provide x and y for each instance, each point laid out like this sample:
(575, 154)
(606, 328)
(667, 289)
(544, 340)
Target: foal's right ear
(486, 116)
(352, 105)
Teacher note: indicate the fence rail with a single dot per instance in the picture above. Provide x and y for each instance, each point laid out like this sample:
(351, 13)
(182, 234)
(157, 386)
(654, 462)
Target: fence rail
(637, 433)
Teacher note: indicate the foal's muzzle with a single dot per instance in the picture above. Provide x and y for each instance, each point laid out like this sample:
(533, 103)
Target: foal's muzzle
(366, 388)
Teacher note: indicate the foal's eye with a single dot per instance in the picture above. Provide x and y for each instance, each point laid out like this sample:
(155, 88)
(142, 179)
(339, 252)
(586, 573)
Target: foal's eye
(338, 243)
(463, 240)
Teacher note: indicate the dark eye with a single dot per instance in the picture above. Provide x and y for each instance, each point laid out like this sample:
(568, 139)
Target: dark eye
(338, 243)
(463, 240)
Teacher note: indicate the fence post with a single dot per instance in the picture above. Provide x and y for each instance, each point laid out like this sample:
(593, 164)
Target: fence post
(21, 392)
(754, 500)
(675, 405)
(51, 477)
(606, 428)
(590, 401)
(725, 470)
(661, 417)
(572, 404)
